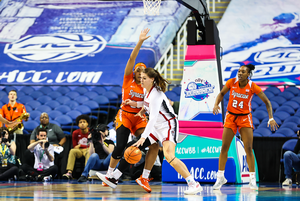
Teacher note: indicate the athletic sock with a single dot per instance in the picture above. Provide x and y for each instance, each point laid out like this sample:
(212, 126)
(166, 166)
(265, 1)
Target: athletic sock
(190, 180)
(146, 173)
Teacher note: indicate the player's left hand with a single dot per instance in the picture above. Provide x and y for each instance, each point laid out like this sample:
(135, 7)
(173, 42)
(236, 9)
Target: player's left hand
(140, 142)
(273, 125)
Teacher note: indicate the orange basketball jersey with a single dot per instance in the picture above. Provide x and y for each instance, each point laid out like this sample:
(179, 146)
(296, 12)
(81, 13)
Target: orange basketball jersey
(131, 90)
(240, 99)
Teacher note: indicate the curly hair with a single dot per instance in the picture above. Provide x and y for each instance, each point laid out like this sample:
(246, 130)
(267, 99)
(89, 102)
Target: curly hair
(83, 116)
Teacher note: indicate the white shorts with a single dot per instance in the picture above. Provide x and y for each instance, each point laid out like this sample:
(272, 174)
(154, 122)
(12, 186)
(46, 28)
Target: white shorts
(167, 131)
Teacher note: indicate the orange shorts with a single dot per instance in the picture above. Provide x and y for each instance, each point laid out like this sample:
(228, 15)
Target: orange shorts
(130, 121)
(232, 121)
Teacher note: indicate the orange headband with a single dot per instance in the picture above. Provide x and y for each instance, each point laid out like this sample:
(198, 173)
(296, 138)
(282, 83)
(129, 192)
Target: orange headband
(139, 64)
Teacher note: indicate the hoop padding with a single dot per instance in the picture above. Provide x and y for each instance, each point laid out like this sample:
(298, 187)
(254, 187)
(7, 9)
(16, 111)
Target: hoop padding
(151, 7)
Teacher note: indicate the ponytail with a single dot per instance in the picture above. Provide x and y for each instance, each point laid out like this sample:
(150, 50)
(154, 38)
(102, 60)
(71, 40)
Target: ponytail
(250, 68)
(159, 82)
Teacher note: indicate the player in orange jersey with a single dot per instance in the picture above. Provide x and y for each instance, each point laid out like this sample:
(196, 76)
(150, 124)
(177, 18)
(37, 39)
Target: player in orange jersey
(238, 116)
(126, 120)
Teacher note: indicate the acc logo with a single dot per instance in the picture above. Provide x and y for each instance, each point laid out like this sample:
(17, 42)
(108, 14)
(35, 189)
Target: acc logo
(198, 91)
(54, 48)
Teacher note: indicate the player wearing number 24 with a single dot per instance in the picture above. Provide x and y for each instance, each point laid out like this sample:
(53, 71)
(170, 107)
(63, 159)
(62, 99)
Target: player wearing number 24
(238, 116)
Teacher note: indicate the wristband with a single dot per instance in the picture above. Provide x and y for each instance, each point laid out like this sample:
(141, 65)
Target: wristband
(139, 104)
(270, 120)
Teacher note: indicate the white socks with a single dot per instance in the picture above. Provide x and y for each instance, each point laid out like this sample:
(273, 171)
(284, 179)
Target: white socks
(190, 180)
(146, 173)
(220, 173)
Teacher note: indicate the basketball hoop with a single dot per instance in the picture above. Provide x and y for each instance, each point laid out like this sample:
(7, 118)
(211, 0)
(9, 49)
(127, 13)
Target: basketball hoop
(151, 7)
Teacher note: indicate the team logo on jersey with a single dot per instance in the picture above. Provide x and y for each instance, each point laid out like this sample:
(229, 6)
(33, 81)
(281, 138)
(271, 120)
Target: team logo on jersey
(54, 48)
(199, 90)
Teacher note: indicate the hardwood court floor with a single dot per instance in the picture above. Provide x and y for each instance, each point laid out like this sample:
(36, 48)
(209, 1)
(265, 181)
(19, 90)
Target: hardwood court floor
(129, 190)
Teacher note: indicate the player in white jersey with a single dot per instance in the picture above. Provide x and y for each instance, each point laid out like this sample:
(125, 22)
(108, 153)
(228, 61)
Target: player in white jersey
(162, 125)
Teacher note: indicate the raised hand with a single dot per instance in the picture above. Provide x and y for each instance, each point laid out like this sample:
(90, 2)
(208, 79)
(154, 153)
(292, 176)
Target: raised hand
(143, 34)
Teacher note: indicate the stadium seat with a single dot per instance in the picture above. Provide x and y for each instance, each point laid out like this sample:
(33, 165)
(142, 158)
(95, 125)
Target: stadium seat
(95, 110)
(28, 108)
(4, 99)
(54, 122)
(254, 105)
(43, 99)
(63, 99)
(33, 104)
(294, 90)
(83, 109)
(3, 94)
(9, 88)
(297, 99)
(265, 120)
(117, 90)
(30, 125)
(74, 114)
(277, 134)
(63, 108)
(36, 94)
(286, 131)
(53, 104)
(256, 134)
(20, 94)
(274, 105)
(274, 90)
(256, 122)
(113, 97)
(286, 108)
(257, 100)
(34, 114)
(91, 94)
(99, 90)
(25, 99)
(81, 90)
(65, 121)
(265, 132)
(278, 99)
(282, 115)
(177, 90)
(72, 94)
(27, 89)
(45, 90)
(226, 96)
(292, 104)
(269, 94)
(291, 125)
(287, 95)
(54, 113)
(171, 95)
(260, 114)
(54, 94)
(63, 90)
(43, 108)
(262, 107)
(72, 104)
(81, 99)
(295, 119)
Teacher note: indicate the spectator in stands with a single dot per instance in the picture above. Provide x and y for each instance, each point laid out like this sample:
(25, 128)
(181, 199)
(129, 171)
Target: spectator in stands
(8, 167)
(100, 150)
(126, 120)
(291, 160)
(44, 168)
(239, 116)
(13, 110)
(55, 134)
(56, 137)
(80, 144)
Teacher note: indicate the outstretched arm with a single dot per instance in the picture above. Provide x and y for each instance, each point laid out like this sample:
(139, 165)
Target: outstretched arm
(135, 51)
(219, 99)
(271, 121)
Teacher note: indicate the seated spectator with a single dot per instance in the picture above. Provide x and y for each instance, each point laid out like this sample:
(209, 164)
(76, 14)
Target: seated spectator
(80, 144)
(291, 160)
(44, 168)
(8, 167)
(55, 134)
(100, 151)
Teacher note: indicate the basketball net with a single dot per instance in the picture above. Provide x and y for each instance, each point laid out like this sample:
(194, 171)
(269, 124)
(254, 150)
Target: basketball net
(151, 7)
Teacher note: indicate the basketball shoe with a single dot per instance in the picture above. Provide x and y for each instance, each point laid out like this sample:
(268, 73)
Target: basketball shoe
(219, 183)
(143, 182)
(193, 189)
(112, 182)
(252, 184)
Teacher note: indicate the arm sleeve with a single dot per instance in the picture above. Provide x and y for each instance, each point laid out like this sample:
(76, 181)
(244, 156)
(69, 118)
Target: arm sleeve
(33, 134)
(127, 80)
(256, 89)
(58, 131)
(155, 104)
(75, 138)
(229, 83)
(139, 104)
(51, 150)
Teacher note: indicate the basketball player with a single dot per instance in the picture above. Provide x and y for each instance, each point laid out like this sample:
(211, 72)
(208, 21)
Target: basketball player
(239, 116)
(126, 120)
(162, 125)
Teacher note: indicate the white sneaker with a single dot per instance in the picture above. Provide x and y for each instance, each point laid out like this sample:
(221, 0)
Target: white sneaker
(252, 185)
(193, 189)
(219, 183)
(287, 182)
(112, 182)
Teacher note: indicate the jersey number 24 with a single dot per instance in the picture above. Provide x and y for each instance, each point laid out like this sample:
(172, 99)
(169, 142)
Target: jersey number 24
(236, 104)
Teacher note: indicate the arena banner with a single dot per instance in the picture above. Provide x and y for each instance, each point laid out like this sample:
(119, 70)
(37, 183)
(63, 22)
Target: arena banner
(65, 42)
(268, 38)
